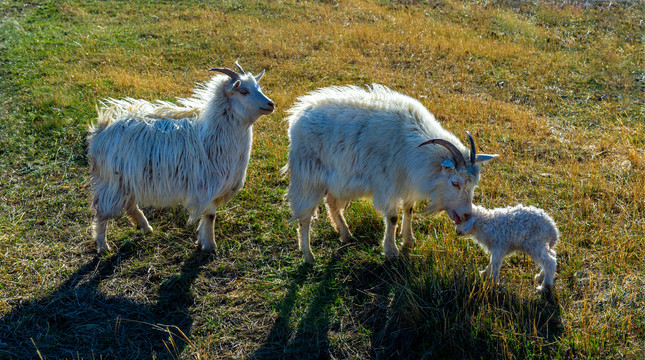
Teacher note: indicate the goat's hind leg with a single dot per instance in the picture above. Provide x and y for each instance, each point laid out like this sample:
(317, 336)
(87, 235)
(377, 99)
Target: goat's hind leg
(304, 203)
(335, 209)
(107, 205)
(303, 238)
(138, 218)
(547, 261)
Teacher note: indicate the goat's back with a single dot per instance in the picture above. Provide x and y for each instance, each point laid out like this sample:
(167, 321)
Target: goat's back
(359, 132)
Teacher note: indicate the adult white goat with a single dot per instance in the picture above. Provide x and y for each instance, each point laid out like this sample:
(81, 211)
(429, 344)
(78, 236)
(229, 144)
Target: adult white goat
(162, 154)
(525, 229)
(349, 142)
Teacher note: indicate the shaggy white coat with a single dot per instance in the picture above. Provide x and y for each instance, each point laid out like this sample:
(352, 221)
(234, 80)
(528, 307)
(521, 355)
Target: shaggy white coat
(163, 154)
(350, 142)
(520, 228)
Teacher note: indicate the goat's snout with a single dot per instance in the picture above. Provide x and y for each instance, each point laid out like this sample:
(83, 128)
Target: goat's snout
(269, 106)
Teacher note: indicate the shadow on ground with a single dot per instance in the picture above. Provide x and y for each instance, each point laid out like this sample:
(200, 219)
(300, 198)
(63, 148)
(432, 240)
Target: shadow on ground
(409, 311)
(78, 321)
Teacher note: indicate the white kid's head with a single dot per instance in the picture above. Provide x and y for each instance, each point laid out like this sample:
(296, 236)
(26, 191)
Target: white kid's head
(466, 227)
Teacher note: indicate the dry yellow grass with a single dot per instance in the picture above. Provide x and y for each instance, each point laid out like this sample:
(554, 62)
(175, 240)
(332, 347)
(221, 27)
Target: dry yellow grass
(556, 90)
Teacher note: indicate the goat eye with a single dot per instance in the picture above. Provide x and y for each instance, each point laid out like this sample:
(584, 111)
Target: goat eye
(244, 92)
(456, 185)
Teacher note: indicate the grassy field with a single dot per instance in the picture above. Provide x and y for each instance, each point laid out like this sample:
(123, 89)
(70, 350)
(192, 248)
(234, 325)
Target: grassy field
(557, 91)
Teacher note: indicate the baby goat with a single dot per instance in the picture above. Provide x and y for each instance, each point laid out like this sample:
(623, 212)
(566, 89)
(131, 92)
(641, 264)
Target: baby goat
(503, 231)
(162, 154)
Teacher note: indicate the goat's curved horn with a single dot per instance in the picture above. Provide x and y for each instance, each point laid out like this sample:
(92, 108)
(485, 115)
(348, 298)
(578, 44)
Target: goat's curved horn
(459, 157)
(239, 67)
(473, 152)
(258, 77)
(229, 72)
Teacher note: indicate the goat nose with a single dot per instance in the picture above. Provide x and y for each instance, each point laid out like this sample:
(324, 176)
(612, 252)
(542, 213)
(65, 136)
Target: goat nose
(271, 104)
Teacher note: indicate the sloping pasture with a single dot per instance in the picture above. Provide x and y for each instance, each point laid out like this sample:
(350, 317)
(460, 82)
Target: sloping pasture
(556, 90)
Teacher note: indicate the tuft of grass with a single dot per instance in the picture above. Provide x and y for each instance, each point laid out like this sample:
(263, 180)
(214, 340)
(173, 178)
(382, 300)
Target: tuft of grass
(555, 89)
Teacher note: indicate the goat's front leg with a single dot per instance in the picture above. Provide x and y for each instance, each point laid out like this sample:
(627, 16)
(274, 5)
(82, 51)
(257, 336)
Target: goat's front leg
(406, 226)
(205, 235)
(98, 230)
(389, 244)
(496, 258)
(485, 271)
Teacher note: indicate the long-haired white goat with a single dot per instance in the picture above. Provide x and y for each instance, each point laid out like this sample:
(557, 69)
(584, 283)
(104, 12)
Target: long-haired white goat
(525, 229)
(349, 142)
(162, 154)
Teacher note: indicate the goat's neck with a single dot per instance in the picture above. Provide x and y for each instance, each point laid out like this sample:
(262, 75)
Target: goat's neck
(226, 138)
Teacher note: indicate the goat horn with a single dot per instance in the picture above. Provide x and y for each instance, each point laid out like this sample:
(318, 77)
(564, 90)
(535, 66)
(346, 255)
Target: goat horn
(229, 72)
(459, 157)
(258, 77)
(473, 152)
(239, 67)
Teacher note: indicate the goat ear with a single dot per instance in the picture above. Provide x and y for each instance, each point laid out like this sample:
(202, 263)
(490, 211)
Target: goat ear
(482, 158)
(258, 77)
(235, 85)
(448, 164)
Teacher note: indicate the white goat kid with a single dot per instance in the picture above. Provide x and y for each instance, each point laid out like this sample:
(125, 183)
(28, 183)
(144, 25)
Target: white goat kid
(503, 231)
(349, 142)
(162, 154)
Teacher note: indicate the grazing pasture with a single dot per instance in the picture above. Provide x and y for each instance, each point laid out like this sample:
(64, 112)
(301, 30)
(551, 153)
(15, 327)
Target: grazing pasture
(555, 89)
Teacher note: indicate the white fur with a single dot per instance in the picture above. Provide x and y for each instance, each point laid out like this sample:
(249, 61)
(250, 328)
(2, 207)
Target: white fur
(350, 142)
(162, 154)
(525, 229)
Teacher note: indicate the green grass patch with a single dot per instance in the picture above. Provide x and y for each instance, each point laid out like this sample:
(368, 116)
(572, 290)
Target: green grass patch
(556, 90)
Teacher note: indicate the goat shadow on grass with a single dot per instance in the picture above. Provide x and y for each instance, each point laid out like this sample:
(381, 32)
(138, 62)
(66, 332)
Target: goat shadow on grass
(310, 337)
(77, 320)
(414, 312)
(408, 310)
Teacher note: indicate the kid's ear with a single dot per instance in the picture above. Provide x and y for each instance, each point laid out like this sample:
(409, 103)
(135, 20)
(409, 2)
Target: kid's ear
(469, 224)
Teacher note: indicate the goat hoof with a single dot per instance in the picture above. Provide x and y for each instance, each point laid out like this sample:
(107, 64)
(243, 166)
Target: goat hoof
(309, 258)
(545, 289)
(147, 229)
(391, 254)
(208, 247)
(346, 239)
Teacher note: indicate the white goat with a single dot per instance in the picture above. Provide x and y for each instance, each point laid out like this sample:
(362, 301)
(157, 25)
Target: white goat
(349, 142)
(503, 231)
(161, 154)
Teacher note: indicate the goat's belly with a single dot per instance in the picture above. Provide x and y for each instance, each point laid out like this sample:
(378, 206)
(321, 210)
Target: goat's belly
(161, 199)
(349, 187)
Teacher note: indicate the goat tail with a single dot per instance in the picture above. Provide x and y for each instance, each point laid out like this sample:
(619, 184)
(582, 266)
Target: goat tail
(104, 119)
(554, 239)
(285, 170)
